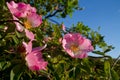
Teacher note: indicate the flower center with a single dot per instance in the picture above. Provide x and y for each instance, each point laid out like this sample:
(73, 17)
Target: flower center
(27, 24)
(74, 48)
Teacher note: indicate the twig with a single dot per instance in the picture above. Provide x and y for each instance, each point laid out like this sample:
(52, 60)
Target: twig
(60, 8)
(51, 15)
(116, 61)
(1, 22)
(54, 21)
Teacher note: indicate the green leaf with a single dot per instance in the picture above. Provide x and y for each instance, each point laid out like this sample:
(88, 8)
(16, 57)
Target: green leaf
(19, 35)
(114, 75)
(1, 26)
(57, 32)
(4, 65)
(15, 39)
(79, 27)
(99, 52)
(70, 14)
(107, 67)
(92, 34)
(16, 72)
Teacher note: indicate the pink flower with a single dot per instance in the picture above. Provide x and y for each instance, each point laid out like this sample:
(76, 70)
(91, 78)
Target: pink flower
(32, 22)
(34, 19)
(29, 35)
(76, 45)
(34, 57)
(20, 9)
(25, 11)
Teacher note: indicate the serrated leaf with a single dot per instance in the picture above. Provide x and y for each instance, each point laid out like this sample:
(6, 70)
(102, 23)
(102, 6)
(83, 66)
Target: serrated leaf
(16, 72)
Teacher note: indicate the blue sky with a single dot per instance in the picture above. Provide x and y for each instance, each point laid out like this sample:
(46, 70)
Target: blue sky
(103, 13)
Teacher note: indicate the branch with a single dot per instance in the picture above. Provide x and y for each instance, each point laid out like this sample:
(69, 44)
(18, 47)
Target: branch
(116, 61)
(60, 8)
(51, 15)
(1, 22)
(54, 21)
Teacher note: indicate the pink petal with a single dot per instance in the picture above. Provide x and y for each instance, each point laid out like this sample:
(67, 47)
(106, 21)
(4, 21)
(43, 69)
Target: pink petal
(20, 9)
(86, 45)
(28, 47)
(63, 28)
(83, 55)
(39, 48)
(35, 61)
(29, 34)
(12, 5)
(35, 19)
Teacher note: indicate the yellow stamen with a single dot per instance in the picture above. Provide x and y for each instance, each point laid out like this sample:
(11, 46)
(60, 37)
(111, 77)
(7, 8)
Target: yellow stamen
(27, 24)
(74, 48)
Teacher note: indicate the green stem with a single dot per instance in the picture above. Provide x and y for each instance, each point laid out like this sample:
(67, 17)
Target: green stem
(116, 61)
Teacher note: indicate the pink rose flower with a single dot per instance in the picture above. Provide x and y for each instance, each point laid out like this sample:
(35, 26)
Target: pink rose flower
(33, 21)
(20, 9)
(34, 57)
(25, 11)
(76, 45)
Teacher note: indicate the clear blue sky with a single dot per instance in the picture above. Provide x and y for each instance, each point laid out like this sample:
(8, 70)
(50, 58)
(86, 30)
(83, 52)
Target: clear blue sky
(103, 13)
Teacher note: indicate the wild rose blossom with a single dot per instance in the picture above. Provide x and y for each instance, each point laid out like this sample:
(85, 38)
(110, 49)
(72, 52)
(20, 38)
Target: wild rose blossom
(34, 57)
(25, 11)
(76, 45)
(32, 21)
(20, 9)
